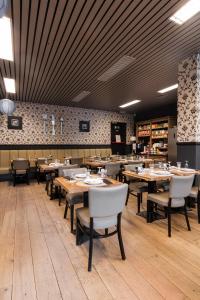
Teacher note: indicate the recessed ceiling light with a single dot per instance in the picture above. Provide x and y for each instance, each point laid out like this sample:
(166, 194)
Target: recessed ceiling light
(169, 88)
(121, 64)
(9, 85)
(186, 12)
(81, 96)
(6, 47)
(129, 103)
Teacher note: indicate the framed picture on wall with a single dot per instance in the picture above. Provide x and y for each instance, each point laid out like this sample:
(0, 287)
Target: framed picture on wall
(84, 126)
(14, 122)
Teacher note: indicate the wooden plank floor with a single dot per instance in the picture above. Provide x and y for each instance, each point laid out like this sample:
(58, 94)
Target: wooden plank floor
(39, 258)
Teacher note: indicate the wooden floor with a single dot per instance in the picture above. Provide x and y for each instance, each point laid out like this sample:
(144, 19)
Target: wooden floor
(39, 258)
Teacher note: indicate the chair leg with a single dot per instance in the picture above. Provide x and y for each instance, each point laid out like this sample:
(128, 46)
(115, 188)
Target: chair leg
(138, 202)
(198, 208)
(127, 198)
(66, 210)
(187, 219)
(169, 221)
(14, 179)
(27, 179)
(120, 237)
(72, 217)
(150, 211)
(90, 246)
(58, 192)
(77, 232)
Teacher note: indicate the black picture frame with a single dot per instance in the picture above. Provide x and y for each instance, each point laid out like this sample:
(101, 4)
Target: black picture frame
(14, 122)
(84, 126)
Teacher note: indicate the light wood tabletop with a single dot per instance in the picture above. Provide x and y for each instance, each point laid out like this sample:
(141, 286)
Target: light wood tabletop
(103, 163)
(44, 167)
(147, 176)
(76, 186)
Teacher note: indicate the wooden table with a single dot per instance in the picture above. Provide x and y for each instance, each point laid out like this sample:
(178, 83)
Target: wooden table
(46, 168)
(102, 163)
(75, 186)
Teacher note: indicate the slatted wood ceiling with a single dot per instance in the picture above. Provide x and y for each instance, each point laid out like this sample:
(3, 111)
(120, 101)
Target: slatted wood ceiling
(62, 47)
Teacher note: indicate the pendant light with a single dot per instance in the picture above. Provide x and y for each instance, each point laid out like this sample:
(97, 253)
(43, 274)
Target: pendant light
(7, 106)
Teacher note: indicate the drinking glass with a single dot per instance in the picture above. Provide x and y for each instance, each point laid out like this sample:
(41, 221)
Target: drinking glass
(88, 173)
(72, 177)
(169, 164)
(99, 171)
(186, 164)
(178, 165)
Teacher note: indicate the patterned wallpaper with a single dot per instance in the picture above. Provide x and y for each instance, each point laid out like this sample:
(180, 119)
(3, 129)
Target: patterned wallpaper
(33, 128)
(188, 122)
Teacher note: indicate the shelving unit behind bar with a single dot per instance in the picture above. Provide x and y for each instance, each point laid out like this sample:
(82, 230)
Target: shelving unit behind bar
(155, 132)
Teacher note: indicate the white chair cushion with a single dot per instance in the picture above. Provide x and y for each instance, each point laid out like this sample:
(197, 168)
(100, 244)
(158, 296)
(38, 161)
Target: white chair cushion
(138, 187)
(98, 223)
(163, 199)
(194, 192)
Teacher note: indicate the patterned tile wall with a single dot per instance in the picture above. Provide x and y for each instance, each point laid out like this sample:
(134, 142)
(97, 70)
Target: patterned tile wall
(33, 129)
(188, 122)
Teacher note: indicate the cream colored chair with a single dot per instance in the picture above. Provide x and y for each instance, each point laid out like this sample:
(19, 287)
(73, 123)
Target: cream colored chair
(179, 189)
(195, 194)
(71, 200)
(105, 210)
(135, 187)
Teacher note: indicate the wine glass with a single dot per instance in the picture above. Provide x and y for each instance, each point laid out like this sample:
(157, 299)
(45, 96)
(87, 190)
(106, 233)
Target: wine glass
(99, 170)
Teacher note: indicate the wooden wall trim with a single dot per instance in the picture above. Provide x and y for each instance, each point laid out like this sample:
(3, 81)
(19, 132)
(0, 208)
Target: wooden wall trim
(52, 146)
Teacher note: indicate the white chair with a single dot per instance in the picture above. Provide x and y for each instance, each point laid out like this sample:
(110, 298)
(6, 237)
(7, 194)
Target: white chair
(62, 169)
(179, 189)
(195, 194)
(105, 210)
(113, 169)
(71, 200)
(135, 188)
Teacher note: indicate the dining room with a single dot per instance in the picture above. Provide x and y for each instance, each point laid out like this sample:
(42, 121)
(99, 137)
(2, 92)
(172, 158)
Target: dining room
(99, 149)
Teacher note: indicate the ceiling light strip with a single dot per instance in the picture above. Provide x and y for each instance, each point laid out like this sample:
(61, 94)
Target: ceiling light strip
(81, 96)
(121, 64)
(169, 88)
(6, 46)
(129, 103)
(9, 85)
(186, 12)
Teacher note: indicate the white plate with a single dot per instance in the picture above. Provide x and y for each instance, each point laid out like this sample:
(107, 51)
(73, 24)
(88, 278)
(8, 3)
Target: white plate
(162, 173)
(187, 170)
(81, 175)
(93, 181)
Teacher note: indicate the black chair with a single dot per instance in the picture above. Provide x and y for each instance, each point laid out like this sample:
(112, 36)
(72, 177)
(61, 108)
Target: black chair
(20, 168)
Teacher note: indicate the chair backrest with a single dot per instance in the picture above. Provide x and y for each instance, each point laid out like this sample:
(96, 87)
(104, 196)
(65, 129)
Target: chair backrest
(107, 201)
(69, 172)
(113, 169)
(77, 160)
(132, 167)
(20, 164)
(180, 186)
(62, 169)
(41, 161)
